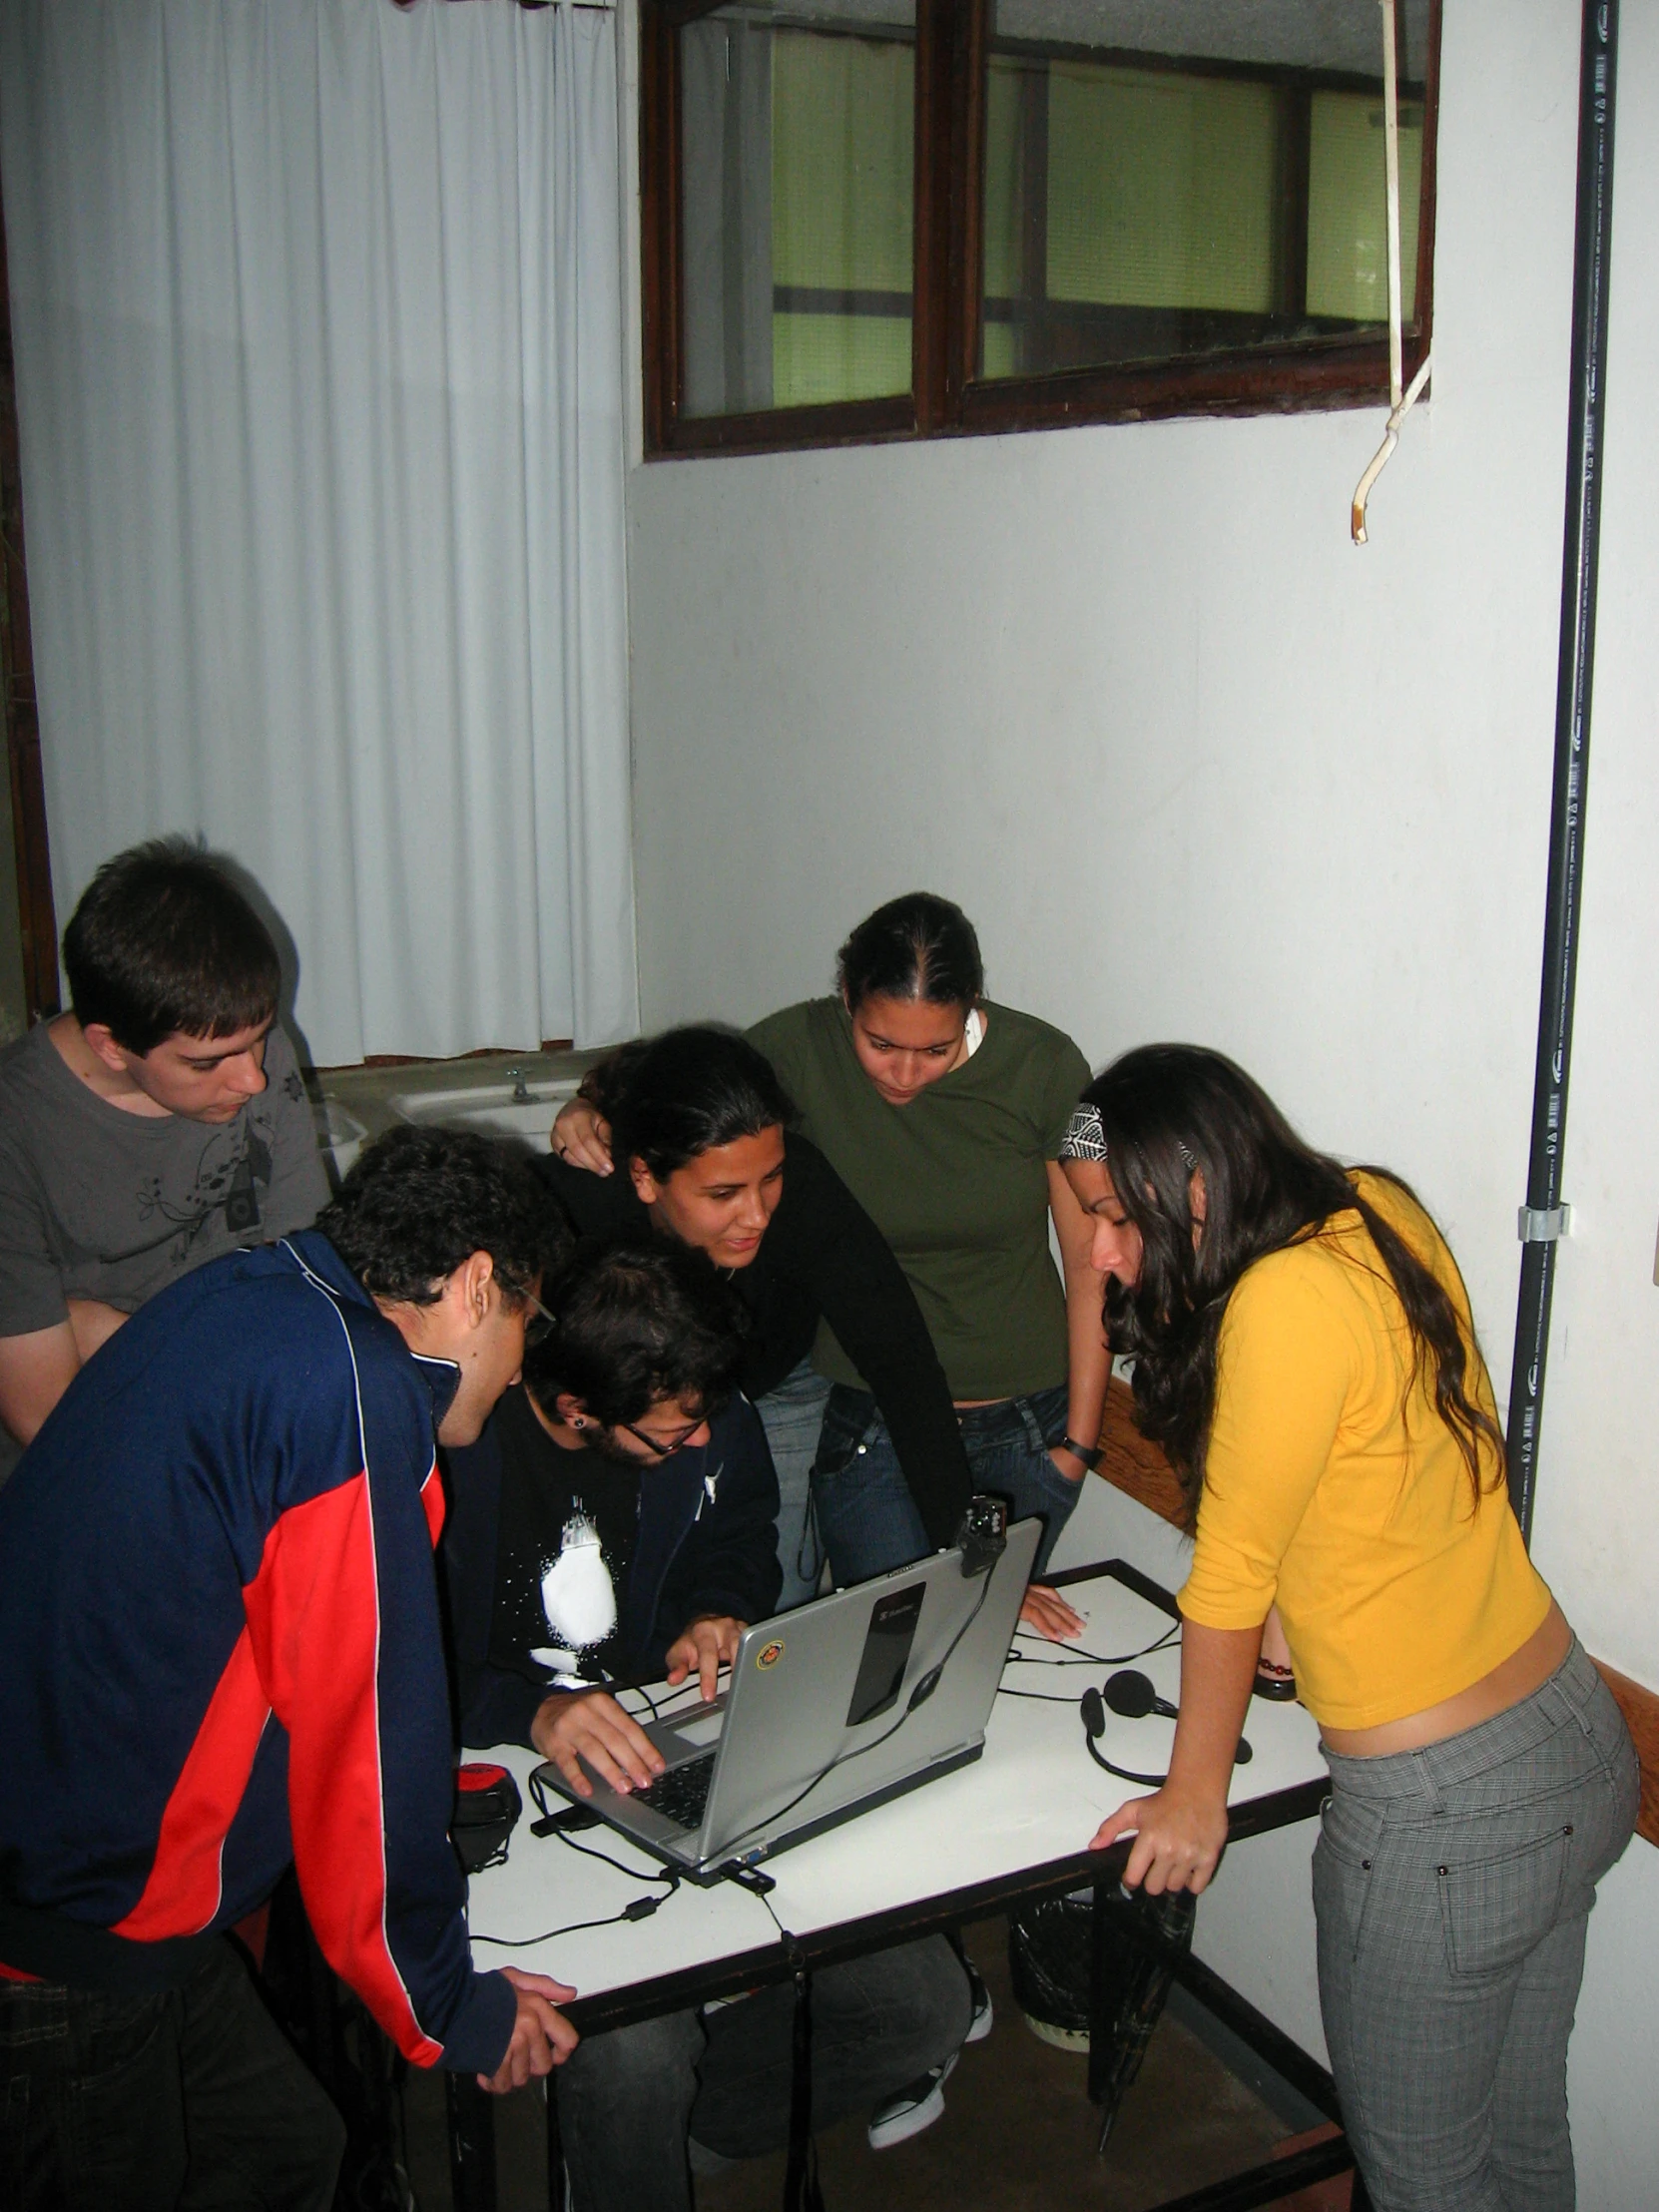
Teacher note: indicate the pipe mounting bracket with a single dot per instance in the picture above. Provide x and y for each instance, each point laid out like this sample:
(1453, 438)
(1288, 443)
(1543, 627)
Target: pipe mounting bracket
(1543, 1224)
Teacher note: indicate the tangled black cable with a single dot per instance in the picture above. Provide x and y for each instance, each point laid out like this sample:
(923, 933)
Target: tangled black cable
(1074, 1657)
(640, 1909)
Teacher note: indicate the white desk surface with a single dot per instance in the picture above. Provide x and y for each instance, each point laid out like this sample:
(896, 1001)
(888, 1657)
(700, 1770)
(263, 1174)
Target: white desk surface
(1033, 1798)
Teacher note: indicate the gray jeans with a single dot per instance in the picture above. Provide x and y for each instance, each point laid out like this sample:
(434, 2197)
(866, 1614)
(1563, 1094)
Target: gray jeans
(1452, 1887)
(630, 2100)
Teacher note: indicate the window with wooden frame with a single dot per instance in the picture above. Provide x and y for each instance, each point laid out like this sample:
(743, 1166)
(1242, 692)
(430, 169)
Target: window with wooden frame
(877, 218)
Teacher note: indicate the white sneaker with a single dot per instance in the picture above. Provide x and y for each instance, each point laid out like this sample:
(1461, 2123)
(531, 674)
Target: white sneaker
(910, 2110)
(984, 2016)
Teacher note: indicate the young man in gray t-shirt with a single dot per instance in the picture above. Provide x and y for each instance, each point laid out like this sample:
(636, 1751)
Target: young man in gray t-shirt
(160, 1123)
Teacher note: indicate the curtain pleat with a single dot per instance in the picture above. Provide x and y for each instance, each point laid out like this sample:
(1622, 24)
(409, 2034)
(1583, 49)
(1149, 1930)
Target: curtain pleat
(316, 313)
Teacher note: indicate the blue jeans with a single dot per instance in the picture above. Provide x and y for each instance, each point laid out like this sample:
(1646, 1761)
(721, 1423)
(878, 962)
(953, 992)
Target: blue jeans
(866, 1513)
(1452, 1887)
(631, 2099)
(791, 1415)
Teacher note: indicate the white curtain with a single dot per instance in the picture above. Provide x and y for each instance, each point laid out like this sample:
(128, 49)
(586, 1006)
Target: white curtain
(316, 316)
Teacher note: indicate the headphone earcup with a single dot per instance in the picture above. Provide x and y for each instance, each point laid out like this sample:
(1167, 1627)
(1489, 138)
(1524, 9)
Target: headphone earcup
(1093, 1709)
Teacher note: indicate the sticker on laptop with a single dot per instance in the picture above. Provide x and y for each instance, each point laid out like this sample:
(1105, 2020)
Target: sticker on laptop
(770, 1654)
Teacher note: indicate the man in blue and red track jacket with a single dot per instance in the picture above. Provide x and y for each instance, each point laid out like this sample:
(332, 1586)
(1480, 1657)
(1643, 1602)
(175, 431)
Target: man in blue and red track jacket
(220, 1650)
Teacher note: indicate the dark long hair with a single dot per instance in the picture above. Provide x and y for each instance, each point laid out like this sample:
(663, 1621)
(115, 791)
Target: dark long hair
(919, 947)
(669, 1098)
(1167, 1109)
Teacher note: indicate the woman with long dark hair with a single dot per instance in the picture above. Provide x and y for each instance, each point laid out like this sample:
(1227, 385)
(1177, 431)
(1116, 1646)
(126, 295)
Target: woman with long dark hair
(1303, 1352)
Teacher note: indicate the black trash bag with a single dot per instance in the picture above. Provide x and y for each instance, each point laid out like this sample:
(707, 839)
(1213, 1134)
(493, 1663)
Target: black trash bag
(1051, 1961)
(1050, 1948)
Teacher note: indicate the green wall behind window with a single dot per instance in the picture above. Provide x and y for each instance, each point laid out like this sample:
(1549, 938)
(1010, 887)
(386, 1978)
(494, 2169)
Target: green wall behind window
(843, 130)
(1160, 189)
(819, 358)
(1348, 251)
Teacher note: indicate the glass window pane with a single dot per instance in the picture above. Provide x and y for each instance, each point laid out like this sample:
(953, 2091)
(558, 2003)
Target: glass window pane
(1196, 176)
(798, 132)
(1160, 189)
(1348, 213)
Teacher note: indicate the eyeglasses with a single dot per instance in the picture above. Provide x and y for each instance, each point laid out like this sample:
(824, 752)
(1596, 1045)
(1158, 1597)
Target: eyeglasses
(662, 1447)
(540, 1324)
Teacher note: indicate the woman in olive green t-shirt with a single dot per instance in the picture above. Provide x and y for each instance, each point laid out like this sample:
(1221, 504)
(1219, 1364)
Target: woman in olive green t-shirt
(944, 1114)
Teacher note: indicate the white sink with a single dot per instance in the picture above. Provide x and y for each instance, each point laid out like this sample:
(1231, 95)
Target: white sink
(339, 1135)
(491, 1107)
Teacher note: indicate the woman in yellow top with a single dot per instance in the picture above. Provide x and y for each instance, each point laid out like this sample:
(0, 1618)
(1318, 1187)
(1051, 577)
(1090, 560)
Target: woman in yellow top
(1304, 1354)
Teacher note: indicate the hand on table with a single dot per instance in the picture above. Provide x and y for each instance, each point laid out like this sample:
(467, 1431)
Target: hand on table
(1046, 1613)
(1179, 1834)
(573, 1725)
(706, 1645)
(542, 2038)
(582, 1136)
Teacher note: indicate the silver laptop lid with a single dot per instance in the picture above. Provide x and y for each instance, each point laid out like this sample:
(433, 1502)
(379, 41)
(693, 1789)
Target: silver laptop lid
(826, 1710)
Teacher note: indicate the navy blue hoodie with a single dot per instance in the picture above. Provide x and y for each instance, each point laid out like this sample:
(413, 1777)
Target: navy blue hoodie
(220, 1649)
(705, 1542)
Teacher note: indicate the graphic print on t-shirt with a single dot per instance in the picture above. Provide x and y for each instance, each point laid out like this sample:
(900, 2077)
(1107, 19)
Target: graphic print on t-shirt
(578, 1596)
(232, 1172)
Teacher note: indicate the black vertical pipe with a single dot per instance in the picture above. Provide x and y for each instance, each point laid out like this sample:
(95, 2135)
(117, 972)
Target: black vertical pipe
(1598, 62)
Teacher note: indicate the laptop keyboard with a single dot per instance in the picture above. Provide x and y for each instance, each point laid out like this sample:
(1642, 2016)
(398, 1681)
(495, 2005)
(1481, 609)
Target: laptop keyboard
(682, 1793)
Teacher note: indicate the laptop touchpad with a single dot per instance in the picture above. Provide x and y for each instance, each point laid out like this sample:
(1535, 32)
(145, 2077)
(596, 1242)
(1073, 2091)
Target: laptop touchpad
(675, 1737)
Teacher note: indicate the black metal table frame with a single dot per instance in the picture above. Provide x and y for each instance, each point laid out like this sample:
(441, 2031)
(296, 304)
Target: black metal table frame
(471, 2128)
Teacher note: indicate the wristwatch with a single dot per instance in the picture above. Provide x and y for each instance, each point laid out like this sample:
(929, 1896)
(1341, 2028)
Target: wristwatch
(1090, 1454)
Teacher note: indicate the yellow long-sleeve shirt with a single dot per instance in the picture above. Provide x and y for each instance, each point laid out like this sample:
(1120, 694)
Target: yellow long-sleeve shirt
(1332, 1491)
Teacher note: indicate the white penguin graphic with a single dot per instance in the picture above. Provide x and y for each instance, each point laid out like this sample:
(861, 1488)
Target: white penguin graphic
(577, 1596)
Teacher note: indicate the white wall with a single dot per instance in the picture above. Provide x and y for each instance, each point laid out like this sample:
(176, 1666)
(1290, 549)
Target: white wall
(1198, 768)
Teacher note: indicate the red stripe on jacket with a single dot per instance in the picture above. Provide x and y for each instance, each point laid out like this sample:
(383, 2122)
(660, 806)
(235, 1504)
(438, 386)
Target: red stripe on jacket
(182, 1893)
(315, 1613)
(309, 1653)
(433, 1502)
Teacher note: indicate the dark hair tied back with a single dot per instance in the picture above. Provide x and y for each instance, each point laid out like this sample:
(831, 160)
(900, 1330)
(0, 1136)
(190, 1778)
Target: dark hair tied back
(670, 1098)
(919, 947)
(1168, 1107)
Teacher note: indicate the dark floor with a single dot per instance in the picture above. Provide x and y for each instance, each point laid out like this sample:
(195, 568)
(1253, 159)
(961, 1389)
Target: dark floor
(1018, 2133)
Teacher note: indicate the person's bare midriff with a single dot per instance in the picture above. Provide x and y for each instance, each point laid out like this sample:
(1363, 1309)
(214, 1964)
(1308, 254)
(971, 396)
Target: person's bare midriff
(1526, 1669)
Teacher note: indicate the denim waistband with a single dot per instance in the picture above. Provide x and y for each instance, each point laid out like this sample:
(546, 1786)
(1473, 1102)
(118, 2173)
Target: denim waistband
(979, 1422)
(1566, 1697)
(1008, 1413)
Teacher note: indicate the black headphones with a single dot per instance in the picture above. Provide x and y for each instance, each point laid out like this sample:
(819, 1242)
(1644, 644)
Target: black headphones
(1131, 1696)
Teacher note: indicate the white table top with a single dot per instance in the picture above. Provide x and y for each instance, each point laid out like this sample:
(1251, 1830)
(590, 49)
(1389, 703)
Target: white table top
(1033, 1799)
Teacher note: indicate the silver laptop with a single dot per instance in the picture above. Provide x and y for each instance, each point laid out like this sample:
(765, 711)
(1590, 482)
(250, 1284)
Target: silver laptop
(827, 1711)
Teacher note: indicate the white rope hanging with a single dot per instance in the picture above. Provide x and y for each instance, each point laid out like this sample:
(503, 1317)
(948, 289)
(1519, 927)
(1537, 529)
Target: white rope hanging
(1401, 403)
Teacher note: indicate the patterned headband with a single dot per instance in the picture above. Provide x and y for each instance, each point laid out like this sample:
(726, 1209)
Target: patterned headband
(1085, 1138)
